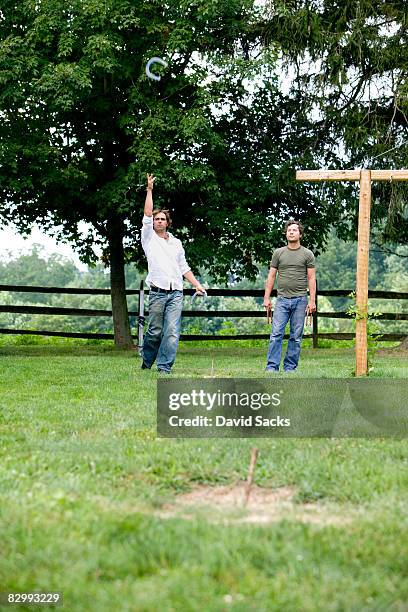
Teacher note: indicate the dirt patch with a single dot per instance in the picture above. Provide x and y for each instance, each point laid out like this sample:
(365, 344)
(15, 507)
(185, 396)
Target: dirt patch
(226, 505)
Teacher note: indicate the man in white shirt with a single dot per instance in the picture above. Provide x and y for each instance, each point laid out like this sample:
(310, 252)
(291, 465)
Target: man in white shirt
(166, 268)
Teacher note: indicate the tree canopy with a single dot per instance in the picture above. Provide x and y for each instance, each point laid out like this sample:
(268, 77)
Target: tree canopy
(350, 60)
(82, 124)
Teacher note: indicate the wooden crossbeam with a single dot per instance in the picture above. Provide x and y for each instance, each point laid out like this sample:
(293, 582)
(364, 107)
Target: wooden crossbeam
(364, 177)
(350, 175)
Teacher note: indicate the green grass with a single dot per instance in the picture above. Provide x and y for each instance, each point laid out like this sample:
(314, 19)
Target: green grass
(82, 475)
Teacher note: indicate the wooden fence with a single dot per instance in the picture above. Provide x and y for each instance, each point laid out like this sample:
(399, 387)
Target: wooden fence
(140, 314)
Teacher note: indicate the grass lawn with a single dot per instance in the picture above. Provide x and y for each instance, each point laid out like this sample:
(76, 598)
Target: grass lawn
(84, 483)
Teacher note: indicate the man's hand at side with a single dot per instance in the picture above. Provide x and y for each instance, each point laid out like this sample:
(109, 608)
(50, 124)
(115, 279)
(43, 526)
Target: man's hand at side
(200, 289)
(311, 307)
(270, 281)
(189, 276)
(311, 281)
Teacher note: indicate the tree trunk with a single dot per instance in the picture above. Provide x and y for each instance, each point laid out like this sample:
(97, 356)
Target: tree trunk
(121, 325)
(404, 345)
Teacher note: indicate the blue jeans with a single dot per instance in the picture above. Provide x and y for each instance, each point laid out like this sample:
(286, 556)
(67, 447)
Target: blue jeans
(162, 336)
(293, 310)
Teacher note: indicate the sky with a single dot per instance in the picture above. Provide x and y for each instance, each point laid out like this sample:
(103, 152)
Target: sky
(12, 244)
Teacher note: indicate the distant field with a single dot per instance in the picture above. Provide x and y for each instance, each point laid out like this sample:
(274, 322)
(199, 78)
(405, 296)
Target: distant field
(96, 507)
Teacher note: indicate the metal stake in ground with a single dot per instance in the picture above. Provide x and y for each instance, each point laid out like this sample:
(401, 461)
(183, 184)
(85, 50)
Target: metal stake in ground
(141, 319)
(248, 484)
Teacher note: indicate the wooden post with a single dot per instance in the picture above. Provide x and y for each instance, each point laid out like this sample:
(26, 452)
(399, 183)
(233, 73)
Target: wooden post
(364, 177)
(363, 246)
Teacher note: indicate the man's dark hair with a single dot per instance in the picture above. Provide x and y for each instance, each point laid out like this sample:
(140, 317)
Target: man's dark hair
(156, 211)
(293, 222)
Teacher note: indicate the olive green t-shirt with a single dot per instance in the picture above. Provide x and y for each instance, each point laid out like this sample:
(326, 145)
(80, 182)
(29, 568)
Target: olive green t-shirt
(292, 265)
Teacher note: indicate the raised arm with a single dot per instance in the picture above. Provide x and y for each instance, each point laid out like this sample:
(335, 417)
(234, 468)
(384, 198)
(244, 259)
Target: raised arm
(270, 281)
(148, 207)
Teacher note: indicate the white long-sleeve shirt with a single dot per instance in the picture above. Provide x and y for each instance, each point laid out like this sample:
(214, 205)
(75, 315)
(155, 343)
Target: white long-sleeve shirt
(166, 260)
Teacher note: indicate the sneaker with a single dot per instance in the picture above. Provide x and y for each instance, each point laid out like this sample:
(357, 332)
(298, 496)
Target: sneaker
(144, 366)
(163, 371)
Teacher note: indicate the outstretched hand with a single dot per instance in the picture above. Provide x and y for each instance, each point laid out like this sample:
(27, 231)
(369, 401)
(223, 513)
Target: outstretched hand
(150, 181)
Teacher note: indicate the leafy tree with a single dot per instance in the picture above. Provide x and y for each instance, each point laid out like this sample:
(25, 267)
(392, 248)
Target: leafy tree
(349, 61)
(54, 270)
(81, 124)
(337, 266)
(35, 268)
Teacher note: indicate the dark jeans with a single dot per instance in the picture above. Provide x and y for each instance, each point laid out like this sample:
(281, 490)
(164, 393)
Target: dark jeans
(293, 310)
(163, 333)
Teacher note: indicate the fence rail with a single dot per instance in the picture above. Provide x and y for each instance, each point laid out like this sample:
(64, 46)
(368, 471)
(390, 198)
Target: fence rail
(140, 313)
(89, 312)
(389, 295)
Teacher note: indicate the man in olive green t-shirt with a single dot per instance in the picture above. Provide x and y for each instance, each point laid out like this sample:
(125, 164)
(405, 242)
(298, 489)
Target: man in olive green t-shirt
(295, 266)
